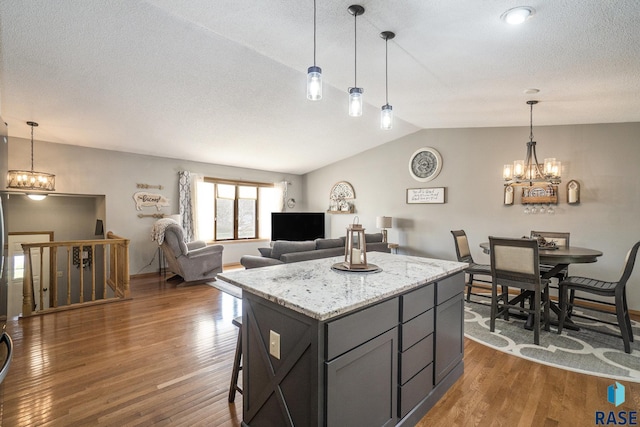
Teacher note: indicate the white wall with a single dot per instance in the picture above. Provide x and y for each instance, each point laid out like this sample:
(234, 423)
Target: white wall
(603, 158)
(81, 170)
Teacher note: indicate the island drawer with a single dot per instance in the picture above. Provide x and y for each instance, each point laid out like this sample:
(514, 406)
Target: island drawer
(415, 358)
(417, 302)
(449, 287)
(418, 387)
(416, 329)
(354, 329)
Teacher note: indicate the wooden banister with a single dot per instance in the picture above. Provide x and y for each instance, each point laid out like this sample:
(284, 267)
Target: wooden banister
(110, 254)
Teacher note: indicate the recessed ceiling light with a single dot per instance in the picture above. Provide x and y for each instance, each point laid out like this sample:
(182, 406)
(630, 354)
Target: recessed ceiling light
(531, 91)
(518, 15)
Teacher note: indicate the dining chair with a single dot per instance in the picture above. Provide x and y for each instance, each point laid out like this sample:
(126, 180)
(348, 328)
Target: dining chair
(464, 255)
(561, 239)
(616, 290)
(515, 263)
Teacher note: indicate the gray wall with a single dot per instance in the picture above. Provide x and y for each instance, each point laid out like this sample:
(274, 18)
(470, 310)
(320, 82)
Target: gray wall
(603, 158)
(81, 170)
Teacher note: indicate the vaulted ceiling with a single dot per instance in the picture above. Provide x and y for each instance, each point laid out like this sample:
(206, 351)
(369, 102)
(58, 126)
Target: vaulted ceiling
(223, 81)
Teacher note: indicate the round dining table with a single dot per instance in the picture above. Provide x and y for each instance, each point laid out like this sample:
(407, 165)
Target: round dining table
(560, 257)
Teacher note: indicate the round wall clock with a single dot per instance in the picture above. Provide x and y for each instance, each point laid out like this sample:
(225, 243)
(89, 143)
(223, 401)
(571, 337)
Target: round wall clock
(425, 164)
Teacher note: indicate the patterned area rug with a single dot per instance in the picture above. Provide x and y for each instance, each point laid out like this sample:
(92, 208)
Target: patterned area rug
(581, 351)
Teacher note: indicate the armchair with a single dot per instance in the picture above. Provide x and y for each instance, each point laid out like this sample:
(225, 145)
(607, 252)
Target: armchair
(193, 261)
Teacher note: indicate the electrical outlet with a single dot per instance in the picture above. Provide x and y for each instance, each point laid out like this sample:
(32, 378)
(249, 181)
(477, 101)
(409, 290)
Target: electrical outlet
(274, 344)
(59, 273)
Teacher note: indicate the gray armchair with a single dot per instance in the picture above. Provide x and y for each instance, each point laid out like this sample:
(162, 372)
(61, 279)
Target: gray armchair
(193, 261)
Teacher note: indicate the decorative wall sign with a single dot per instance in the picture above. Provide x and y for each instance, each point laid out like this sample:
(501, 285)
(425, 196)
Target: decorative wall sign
(425, 164)
(142, 199)
(425, 195)
(540, 193)
(147, 186)
(339, 198)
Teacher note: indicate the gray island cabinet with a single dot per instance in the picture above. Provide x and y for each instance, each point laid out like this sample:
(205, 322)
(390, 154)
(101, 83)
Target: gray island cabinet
(332, 348)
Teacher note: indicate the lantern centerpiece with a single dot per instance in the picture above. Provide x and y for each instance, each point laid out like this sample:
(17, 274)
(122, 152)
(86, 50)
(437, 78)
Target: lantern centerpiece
(355, 248)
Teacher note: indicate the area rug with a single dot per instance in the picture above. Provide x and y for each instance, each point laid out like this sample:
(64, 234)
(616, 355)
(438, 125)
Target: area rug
(581, 351)
(226, 288)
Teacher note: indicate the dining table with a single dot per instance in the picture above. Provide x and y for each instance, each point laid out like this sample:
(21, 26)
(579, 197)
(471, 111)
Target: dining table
(560, 257)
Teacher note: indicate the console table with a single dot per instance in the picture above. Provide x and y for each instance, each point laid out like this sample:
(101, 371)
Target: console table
(324, 347)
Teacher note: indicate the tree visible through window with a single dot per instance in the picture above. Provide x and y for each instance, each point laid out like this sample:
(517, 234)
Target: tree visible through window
(228, 210)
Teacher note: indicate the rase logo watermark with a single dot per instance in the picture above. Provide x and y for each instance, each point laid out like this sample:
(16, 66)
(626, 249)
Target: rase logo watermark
(616, 396)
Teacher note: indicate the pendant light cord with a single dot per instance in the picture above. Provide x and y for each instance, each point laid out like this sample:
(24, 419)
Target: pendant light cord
(314, 33)
(31, 148)
(531, 123)
(386, 70)
(355, 50)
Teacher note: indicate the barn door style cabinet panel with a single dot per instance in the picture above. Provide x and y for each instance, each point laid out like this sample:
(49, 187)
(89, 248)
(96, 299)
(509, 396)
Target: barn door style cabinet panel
(359, 350)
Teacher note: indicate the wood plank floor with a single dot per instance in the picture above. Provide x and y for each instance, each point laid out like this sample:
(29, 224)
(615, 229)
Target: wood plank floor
(165, 358)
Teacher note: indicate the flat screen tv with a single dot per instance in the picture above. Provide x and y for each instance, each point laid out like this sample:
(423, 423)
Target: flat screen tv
(297, 226)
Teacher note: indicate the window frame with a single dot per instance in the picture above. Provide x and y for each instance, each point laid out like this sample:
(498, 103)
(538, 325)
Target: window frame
(237, 184)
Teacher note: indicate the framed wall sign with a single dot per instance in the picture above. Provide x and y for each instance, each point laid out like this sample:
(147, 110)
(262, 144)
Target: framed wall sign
(425, 195)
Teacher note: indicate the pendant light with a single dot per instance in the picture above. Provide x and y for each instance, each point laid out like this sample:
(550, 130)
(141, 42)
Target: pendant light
(529, 171)
(29, 180)
(314, 73)
(355, 92)
(386, 114)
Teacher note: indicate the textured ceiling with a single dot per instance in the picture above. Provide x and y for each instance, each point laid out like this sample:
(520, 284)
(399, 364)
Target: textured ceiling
(223, 81)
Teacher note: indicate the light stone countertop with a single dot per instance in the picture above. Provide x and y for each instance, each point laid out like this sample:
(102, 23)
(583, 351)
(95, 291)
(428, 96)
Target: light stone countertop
(315, 290)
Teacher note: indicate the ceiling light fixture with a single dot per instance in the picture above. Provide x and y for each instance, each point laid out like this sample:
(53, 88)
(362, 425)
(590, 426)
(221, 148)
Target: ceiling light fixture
(355, 92)
(31, 180)
(528, 171)
(386, 114)
(518, 15)
(314, 73)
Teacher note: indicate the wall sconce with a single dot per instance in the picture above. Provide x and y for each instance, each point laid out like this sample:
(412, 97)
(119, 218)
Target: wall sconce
(573, 192)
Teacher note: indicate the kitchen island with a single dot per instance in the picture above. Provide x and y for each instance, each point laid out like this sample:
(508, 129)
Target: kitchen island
(325, 347)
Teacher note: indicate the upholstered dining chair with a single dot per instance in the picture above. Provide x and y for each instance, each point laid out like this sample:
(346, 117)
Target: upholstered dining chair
(464, 255)
(616, 290)
(561, 239)
(515, 263)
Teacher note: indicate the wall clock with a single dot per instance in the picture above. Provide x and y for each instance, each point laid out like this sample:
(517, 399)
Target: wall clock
(425, 164)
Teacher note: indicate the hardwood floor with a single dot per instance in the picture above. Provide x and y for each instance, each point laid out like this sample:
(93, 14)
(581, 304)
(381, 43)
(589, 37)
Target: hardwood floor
(165, 358)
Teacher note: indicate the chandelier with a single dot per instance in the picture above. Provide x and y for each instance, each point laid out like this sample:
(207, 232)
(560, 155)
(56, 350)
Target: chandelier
(31, 180)
(529, 171)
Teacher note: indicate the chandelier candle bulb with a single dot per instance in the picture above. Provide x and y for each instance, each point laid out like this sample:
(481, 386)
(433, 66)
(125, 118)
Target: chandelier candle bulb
(507, 172)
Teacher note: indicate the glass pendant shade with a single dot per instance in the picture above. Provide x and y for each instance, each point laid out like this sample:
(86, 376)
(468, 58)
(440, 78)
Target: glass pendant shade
(314, 83)
(386, 117)
(355, 101)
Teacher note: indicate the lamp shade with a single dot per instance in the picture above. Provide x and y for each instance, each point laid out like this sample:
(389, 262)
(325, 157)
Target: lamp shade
(384, 222)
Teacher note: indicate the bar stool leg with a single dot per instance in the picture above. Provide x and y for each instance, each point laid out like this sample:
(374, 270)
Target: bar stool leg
(233, 386)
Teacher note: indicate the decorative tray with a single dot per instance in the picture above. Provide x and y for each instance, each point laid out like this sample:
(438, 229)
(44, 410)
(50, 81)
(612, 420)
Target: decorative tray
(371, 268)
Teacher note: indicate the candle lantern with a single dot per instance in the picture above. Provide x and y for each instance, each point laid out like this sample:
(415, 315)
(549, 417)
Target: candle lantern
(355, 248)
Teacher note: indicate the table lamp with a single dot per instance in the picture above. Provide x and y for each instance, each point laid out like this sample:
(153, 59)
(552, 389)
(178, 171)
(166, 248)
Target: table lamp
(384, 222)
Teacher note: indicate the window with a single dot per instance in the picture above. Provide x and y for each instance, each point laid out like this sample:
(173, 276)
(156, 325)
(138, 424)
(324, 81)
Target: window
(233, 210)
